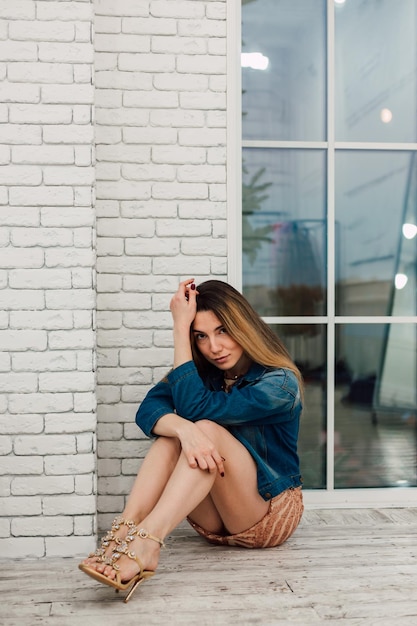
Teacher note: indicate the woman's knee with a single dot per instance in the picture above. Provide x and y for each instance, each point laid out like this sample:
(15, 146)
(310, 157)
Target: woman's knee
(168, 445)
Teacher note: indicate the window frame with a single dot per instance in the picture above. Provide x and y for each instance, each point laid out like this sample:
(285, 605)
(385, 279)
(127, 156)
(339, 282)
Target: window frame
(328, 497)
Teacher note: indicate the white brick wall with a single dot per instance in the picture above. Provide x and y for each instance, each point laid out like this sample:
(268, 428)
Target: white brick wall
(47, 297)
(159, 216)
(161, 174)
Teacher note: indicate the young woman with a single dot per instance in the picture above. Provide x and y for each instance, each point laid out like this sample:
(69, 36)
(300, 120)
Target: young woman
(225, 422)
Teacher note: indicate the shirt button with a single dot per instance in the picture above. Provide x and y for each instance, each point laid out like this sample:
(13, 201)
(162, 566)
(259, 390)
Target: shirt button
(268, 496)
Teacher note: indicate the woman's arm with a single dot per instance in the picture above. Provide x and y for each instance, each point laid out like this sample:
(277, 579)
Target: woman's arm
(156, 414)
(183, 308)
(199, 450)
(158, 400)
(269, 399)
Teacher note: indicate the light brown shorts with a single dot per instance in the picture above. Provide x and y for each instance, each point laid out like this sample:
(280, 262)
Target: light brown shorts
(279, 523)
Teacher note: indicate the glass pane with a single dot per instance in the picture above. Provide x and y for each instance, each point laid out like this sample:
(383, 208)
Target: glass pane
(307, 346)
(283, 69)
(376, 242)
(375, 406)
(375, 70)
(284, 231)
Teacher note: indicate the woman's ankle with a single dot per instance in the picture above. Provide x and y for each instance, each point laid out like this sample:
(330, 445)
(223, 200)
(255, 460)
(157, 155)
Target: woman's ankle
(130, 517)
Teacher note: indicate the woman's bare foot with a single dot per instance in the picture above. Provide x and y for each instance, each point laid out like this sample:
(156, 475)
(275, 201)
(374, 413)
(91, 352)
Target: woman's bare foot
(144, 548)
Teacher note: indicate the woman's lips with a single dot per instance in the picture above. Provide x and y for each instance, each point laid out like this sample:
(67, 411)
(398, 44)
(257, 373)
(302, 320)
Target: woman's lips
(221, 360)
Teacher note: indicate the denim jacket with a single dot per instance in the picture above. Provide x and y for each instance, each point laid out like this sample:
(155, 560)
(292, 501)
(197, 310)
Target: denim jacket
(262, 411)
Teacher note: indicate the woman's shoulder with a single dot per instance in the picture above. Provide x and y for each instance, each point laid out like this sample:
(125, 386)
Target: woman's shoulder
(281, 376)
(258, 370)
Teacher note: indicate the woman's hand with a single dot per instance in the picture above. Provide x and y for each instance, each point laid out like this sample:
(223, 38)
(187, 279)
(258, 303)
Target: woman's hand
(199, 450)
(183, 304)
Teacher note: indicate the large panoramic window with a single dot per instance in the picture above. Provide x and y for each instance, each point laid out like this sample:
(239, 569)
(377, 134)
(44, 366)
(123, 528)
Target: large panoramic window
(329, 223)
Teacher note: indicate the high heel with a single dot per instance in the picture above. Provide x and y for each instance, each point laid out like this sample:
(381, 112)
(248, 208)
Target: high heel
(123, 549)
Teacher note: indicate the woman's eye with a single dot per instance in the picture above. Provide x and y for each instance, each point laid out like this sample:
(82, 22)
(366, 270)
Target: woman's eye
(199, 337)
(222, 331)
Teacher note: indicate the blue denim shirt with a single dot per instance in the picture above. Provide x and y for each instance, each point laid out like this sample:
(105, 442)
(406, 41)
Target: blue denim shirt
(262, 411)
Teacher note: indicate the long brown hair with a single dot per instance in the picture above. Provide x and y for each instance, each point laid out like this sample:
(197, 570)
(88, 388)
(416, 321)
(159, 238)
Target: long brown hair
(244, 325)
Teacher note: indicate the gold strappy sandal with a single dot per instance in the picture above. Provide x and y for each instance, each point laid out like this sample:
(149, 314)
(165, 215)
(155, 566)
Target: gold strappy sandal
(117, 523)
(123, 548)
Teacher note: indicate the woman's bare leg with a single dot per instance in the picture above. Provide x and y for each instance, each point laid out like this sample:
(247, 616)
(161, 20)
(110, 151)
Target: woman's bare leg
(235, 498)
(208, 515)
(149, 484)
(153, 475)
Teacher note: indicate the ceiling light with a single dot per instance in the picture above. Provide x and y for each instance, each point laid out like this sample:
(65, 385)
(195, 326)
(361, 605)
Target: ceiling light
(254, 60)
(400, 281)
(386, 116)
(409, 231)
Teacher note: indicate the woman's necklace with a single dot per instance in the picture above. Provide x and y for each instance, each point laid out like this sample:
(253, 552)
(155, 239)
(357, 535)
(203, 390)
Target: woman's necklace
(230, 379)
(228, 382)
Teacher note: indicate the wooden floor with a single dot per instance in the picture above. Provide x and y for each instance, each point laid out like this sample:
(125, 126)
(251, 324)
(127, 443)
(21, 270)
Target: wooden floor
(344, 567)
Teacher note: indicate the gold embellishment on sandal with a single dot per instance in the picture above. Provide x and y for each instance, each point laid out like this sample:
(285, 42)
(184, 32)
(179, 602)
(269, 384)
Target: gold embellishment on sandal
(144, 534)
(110, 536)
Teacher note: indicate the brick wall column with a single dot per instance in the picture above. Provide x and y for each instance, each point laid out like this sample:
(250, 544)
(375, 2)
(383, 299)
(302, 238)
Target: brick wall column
(161, 201)
(47, 295)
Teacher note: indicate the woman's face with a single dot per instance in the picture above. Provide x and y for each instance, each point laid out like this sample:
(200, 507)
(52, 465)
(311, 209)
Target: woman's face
(217, 346)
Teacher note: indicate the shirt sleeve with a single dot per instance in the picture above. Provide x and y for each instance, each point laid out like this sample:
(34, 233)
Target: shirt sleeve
(269, 399)
(157, 402)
